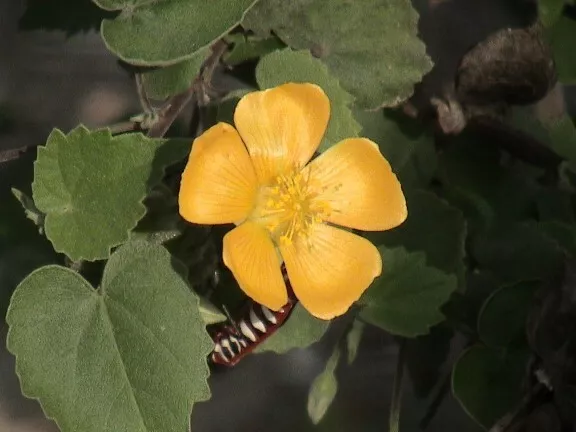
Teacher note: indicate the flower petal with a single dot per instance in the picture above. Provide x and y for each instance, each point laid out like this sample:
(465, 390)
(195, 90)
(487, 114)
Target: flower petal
(282, 127)
(330, 269)
(251, 256)
(218, 184)
(358, 184)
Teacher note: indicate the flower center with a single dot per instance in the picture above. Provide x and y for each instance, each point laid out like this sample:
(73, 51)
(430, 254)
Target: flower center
(289, 207)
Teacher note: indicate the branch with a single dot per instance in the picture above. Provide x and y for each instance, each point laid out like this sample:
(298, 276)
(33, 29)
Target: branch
(169, 112)
(516, 142)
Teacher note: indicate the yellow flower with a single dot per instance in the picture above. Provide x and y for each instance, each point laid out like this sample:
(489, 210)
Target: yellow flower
(258, 177)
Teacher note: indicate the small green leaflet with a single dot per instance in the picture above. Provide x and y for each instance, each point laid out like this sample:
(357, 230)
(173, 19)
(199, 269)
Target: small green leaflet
(91, 186)
(30, 209)
(130, 356)
(353, 339)
(323, 389)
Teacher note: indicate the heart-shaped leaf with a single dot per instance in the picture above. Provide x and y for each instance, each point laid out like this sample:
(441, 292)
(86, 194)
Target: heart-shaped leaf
(165, 32)
(488, 382)
(406, 299)
(91, 186)
(129, 356)
(371, 46)
(502, 320)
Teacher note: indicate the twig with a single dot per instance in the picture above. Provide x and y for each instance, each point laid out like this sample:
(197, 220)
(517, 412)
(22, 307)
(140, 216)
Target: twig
(396, 403)
(437, 401)
(511, 417)
(176, 104)
(170, 111)
(122, 127)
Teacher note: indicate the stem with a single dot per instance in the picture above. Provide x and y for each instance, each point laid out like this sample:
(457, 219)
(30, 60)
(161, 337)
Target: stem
(170, 111)
(511, 417)
(142, 96)
(396, 404)
(176, 104)
(437, 401)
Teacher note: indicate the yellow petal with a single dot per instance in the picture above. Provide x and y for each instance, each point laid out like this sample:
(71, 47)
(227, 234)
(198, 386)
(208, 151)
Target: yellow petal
(358, 184)
(330, 269)
(282, 127)
(251, 256)
(218, 184)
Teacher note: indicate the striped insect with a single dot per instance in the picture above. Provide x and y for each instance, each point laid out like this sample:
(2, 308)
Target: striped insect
(233, 341)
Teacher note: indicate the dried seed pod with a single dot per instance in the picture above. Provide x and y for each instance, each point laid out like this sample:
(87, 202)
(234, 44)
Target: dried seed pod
(511, 66)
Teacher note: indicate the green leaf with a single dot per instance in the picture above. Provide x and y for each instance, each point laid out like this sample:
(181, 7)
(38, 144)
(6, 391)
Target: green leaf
(371, 47)
(130, 355)
(250, 47)
(299, 331)
(162, 33)
(472, 173)
(464, 307)
(405, 144)
(558, 35)
(70, 16)
(517, 253)
(558, 133)
(353, 339)
(299, 66)
(549, 11)
(502, 320)
(30, 209)
(433, 227)
(164, 82)
(323, 389)
(91, 185)
(405, 300)
(488, 383)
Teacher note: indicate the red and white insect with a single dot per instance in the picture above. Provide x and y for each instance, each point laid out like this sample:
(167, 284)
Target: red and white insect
(234, 342)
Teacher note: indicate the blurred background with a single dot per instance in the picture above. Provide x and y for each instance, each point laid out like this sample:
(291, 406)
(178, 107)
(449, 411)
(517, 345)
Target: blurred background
(49, 79)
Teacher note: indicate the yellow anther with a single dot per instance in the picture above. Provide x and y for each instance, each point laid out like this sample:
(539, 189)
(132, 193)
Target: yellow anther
(290, 208)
